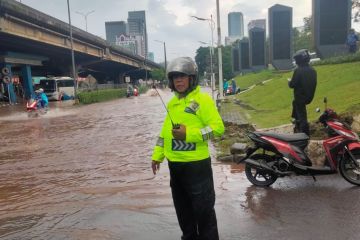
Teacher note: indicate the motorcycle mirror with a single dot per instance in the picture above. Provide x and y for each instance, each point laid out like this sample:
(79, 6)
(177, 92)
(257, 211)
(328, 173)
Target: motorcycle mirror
(317, 109)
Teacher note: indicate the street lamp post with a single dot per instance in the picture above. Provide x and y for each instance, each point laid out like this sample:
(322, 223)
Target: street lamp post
(212, 76)
(72, 52)
(165, 63)
(85, 16)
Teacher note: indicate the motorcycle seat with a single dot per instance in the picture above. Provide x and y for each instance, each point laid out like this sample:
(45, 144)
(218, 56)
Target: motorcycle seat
(295, 137)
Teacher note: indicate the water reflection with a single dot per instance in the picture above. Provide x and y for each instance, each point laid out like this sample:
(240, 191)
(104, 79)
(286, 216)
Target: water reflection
(75, 163)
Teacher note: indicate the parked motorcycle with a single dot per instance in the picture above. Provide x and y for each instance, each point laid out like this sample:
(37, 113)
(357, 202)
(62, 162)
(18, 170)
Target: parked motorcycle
(284, 154)
(34, 108)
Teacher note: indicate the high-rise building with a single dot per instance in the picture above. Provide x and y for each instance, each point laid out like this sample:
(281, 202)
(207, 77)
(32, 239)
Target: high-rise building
(137, 27)
(151, 56)
(331, 22)
(114, 30)
(235, 27)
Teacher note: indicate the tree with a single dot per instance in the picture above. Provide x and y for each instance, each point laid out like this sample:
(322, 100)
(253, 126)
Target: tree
(202, 54)
(226, 60)
(356, 9)
(158, 74)
(203, 61)
(302, 37)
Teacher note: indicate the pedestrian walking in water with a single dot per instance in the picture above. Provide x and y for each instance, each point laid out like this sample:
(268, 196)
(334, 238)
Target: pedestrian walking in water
(191, 121)
(303, 82)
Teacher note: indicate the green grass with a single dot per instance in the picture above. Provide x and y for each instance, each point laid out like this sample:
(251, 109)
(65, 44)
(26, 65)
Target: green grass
(250, 79)
(271, 101)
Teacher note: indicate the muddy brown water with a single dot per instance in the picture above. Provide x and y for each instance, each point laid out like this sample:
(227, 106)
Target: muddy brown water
(84, 172)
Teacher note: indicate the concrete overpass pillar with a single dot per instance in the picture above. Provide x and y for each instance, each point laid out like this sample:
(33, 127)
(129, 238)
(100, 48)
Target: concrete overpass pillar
(27, 80)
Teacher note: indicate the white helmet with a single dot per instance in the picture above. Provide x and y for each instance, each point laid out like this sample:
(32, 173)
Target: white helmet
(38, 91)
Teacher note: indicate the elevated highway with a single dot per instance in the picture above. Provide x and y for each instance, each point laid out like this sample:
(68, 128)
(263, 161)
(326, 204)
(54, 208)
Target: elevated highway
(34, 43)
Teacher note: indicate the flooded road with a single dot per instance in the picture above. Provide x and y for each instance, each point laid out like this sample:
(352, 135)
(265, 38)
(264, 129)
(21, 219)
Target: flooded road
(84, 172)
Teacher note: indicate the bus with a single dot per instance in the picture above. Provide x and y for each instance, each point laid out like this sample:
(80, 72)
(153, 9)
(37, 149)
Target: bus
(56, 87)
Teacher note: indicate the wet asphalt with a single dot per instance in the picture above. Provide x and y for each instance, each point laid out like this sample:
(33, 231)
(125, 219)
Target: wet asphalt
(83, 172)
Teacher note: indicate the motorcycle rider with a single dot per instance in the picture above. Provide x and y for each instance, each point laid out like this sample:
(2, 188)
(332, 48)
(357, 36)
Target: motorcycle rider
(186, 148)
(303, 82)
(42, 98)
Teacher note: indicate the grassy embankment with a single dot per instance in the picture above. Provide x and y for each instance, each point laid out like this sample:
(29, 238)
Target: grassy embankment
(270, 102)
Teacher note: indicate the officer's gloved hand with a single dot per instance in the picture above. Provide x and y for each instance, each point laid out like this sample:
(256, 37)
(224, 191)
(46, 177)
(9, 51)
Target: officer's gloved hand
(179, 133)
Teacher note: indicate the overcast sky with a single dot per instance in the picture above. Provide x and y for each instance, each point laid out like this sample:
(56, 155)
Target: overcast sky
(168, 20)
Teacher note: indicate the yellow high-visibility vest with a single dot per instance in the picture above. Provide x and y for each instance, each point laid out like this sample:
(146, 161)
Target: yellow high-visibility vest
(198, 113)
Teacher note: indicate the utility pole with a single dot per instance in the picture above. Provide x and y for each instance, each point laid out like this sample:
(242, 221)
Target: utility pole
(72, 52)
(165, 63)
(221, 88)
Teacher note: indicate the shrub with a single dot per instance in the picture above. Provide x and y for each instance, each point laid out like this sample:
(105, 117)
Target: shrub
(101, 95)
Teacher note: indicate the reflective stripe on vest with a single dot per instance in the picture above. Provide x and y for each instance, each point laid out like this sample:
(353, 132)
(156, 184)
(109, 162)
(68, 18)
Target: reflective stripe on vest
(160, 142)
(207, 133)
(179, 145)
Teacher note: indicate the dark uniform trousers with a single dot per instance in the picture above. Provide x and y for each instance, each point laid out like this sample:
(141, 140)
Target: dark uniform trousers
(192, 188)
(300, 115)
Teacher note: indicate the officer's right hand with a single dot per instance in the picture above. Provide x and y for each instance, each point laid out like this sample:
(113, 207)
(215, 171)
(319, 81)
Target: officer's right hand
(155, 166)
(180, 132)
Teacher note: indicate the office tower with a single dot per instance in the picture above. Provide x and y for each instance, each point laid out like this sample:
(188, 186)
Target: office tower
(115, 29)
(257, 48)
(137, 27)
(244, 55)
(280, 42)
(235, 27)
(235, 59)
(151, 56)
(332, 20)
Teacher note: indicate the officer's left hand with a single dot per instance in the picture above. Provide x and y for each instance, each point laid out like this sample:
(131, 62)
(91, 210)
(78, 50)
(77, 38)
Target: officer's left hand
(179, 133)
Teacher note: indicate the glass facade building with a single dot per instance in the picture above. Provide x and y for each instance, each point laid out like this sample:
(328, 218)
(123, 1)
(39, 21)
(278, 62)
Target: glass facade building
(236, 25)
(115, 29)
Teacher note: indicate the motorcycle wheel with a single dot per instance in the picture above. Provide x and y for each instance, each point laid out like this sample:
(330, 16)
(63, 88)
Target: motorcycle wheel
(260, 177)
(348, 170)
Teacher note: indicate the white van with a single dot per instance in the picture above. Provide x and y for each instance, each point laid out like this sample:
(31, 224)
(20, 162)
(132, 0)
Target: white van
(55, 87)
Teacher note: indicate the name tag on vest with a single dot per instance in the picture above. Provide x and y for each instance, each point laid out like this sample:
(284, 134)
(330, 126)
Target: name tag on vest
(179, 145)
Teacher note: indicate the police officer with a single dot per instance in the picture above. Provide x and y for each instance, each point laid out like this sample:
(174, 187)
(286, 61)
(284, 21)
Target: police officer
(303, 82)
(185, 146)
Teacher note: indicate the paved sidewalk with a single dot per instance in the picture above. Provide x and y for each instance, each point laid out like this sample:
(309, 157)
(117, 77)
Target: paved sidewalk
(230, 111)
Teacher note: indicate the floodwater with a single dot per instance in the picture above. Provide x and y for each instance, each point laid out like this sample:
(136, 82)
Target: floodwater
(83, 172)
